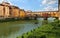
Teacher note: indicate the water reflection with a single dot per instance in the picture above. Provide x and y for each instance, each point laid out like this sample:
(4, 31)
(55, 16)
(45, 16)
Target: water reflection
(36, 22)
(7, 31)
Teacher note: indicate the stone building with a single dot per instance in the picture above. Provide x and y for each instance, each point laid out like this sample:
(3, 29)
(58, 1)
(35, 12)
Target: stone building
(8, 11)
(1, 10)
(14, 12)
(4, 10)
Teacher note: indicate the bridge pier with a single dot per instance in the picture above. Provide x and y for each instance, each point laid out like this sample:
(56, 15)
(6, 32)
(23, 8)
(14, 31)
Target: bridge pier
(35, 17)
(57, 18)
(45, 18)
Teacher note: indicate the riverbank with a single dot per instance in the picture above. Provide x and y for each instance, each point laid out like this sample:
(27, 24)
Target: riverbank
(47, 30)
(12, 20)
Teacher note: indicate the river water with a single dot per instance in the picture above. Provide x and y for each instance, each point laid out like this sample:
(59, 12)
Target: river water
(17, 28)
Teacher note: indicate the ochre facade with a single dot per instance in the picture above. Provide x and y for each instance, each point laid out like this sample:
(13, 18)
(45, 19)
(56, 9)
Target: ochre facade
(1, 11)
(14, 12)
(10, 11)
(22, 13)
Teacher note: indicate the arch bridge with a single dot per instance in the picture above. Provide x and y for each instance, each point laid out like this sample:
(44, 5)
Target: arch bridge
(44, 14)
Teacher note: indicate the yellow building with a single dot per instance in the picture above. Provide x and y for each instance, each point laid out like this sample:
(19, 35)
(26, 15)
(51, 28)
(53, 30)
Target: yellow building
(6, 12)
(22, 14)
(1, 10)
(6, 9)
